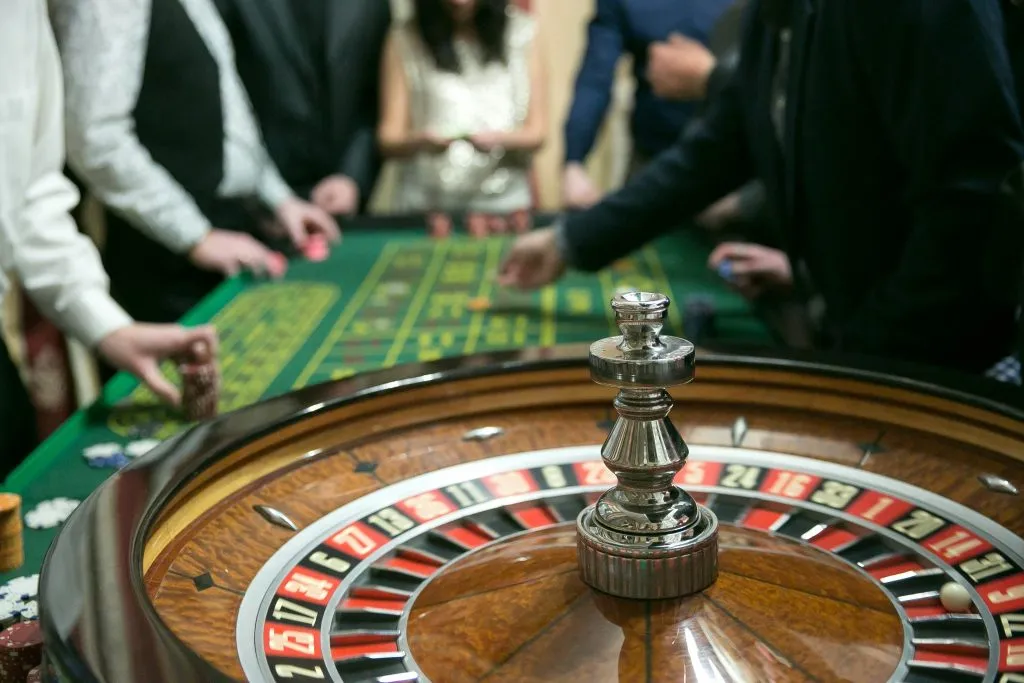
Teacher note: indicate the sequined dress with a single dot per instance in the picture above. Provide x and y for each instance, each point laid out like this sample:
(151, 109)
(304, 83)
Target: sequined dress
(491, 96)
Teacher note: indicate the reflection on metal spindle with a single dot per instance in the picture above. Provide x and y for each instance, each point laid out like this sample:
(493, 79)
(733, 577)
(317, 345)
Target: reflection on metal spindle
(645, 538)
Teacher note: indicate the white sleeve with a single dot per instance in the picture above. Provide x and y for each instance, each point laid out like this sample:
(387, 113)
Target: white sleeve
(273, 190)
(103, 47)
(57, 265)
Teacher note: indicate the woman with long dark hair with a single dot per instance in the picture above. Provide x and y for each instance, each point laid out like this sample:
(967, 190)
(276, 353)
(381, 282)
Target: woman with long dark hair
(464, 108)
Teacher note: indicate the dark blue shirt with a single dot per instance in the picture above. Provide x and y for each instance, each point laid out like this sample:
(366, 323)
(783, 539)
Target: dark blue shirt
(630, 26)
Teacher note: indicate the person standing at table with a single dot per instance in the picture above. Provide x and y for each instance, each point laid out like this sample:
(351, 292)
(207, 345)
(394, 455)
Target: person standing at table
(883, 170)
(161, 131)
(464, 106)
(57, 266)
(312, 70)
(667, 40)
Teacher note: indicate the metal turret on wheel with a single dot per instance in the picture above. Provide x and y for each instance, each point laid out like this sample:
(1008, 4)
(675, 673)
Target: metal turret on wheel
(645, 538)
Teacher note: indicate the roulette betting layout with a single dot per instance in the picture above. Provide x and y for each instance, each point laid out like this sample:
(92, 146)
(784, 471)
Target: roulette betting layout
(631, 511)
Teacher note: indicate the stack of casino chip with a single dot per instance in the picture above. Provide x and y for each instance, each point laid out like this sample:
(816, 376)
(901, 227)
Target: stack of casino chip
(21, 650)
(12, 553)
(200, 391)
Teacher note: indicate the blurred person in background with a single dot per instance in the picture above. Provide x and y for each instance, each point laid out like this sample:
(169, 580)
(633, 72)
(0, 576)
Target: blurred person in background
(160, 130)
(312, 69)
(672, 64)
(888, 191)
(40, 244)
(464, 107)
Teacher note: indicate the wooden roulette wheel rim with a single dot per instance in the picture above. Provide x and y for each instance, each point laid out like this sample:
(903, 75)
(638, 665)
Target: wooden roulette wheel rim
(120, 591)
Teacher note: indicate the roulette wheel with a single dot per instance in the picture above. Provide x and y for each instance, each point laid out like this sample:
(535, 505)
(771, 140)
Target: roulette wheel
(625, 512)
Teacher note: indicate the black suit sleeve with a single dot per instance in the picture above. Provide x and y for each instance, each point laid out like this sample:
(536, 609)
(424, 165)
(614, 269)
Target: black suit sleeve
(709, 160)
(725, 67)
(360, 161)
(939, 75)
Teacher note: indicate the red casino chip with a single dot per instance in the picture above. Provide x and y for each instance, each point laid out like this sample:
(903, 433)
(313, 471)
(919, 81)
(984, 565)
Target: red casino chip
(21, 650)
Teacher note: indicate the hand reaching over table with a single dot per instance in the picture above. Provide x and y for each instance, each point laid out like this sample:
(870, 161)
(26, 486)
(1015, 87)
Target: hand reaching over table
(229, 253)
(301, 221)
(533, 262)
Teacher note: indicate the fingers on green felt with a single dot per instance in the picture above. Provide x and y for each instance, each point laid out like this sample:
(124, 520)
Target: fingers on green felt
(497, 225)
(477, 225)
(439, 225)
(521, 221)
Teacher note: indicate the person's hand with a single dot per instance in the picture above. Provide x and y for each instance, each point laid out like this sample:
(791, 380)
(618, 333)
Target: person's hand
(487, 141)
(301, 219)
(679, 68)
(533, 262)
(578, 190)
(754, 268)
(140, 348)
(434, 143)
(229, 253)
(338, 195)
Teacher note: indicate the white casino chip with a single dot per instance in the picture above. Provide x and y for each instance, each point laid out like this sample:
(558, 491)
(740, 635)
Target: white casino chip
(21, 588)
(50, 513)
(137, 449)
(9, 609)
(13, 610)
(28, 610)
(102, 450)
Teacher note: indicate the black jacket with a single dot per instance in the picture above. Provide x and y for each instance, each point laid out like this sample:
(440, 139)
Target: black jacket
(901, 127)
(318, 113)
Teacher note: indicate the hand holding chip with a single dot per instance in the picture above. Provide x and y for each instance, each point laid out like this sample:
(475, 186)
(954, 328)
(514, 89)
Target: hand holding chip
(751, 268)
(302, 221)
(533, 262)
(140, 348)
(229, 253)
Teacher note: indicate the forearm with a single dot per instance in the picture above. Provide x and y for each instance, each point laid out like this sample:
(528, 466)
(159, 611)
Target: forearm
(526, 139)
(706, 163)
(57, 265)
(583, 124)
(401, 145)
(143, 194)
(652, 203)
(273, 190)
(595, 80)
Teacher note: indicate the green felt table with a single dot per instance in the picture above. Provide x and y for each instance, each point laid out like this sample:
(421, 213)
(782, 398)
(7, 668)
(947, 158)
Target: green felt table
(386, 296)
